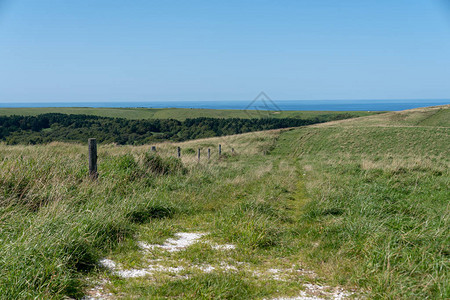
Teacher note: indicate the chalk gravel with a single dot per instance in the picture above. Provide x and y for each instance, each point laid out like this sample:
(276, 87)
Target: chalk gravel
(185, 239)
(182, 241)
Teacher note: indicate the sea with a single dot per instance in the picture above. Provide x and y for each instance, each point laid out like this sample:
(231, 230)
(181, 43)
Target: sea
(330, 105)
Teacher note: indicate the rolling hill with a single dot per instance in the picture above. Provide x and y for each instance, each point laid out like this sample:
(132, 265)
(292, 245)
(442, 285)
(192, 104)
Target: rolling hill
(343, 209)
(172, 113)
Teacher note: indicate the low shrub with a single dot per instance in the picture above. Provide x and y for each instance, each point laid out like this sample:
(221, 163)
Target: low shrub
(150, 210)
(163, 165)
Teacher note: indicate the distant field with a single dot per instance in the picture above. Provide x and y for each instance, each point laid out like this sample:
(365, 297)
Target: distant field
(172, 113)
(438, 116)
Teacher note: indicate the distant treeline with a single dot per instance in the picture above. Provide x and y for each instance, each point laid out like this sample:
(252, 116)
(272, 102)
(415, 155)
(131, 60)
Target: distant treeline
(47, 128)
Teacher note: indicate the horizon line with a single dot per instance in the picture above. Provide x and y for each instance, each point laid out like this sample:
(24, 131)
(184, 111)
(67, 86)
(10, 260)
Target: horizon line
(241, 100)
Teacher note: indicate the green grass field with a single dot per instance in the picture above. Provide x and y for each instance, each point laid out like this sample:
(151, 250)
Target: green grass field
(379, 209)
(352, 208)
(171, 113)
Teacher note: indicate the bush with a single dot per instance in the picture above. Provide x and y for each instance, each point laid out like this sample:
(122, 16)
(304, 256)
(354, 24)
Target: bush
(163, 166)
(150, 210)
(188, 151)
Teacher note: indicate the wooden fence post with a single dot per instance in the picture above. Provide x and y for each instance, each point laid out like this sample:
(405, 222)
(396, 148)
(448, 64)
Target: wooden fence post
(198, 154)
(92, 146)
(220, 149)
(209, 153)
(179, 152)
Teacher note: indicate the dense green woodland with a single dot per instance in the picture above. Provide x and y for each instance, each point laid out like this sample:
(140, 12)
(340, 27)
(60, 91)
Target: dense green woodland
(47, 128)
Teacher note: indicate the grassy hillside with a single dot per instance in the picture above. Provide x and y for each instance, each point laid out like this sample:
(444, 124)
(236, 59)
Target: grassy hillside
(357, 206)
(57, 224)
(171, 113)
(436, 116)
(379, 190)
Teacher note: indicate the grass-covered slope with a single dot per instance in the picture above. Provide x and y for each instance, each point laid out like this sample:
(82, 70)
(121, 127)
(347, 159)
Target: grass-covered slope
(360, 204)
(56, 223)
(379, 209)
(173, 113)
(435, 116)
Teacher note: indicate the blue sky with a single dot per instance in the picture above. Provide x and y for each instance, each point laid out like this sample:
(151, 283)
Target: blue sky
(96, 50)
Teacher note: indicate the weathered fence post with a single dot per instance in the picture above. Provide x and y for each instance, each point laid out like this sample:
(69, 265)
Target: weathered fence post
(220, 149)
(209, 153)
(154, 148)
(92, 146)
(198, 154)
(179, 152)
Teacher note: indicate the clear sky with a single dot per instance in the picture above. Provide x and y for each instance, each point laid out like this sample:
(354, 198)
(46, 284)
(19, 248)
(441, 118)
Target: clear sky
(143, 50)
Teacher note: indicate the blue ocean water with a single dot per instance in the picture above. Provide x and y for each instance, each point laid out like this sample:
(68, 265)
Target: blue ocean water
(332, 105)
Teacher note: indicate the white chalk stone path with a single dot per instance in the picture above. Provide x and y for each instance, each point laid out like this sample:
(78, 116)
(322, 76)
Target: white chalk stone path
(183, 240)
